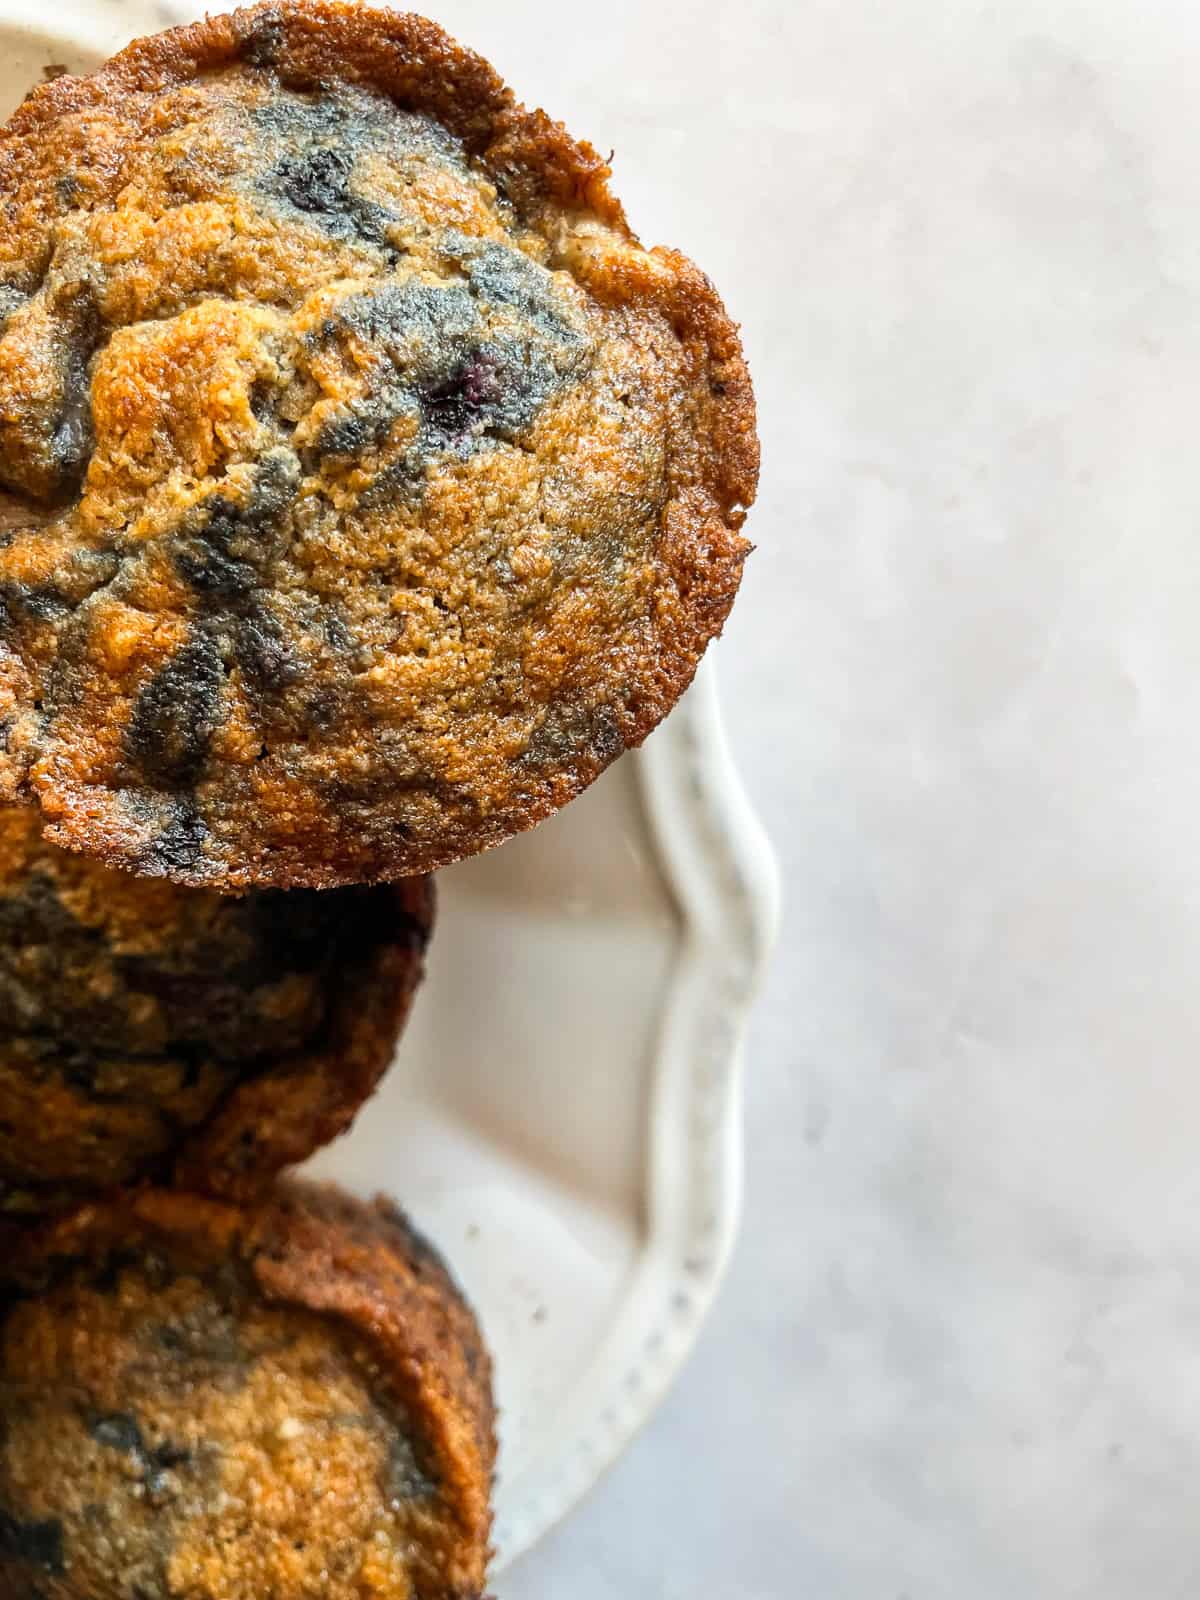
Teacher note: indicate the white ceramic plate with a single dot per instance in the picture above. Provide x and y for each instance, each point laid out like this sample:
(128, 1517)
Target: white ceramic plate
(563, 1116)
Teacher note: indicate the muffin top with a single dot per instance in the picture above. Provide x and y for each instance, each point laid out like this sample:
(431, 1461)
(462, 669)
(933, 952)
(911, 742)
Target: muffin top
(199, 1402)
(368, 487)
(148, 1029)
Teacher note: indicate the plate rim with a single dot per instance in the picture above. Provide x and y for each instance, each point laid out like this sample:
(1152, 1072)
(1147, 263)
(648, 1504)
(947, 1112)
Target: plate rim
(723, 875)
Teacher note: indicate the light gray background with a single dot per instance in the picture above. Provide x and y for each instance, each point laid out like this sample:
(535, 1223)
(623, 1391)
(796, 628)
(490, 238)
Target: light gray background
(959, 1350)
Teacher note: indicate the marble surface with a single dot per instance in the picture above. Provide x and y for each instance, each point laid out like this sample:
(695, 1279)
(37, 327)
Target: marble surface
(959, 1351)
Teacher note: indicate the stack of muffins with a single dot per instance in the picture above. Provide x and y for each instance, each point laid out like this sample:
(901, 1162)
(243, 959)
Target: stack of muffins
(365, 490)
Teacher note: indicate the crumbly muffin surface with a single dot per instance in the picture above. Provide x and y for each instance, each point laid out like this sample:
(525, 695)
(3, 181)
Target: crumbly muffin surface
(177, 1425)
(143, 1024)
(369, 487)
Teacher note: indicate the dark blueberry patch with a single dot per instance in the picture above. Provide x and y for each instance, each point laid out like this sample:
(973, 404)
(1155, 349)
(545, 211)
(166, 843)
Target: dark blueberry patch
(43, 602)
(273, 490)
(567, 732)
(425, 317)
(86, 571)
(179, 847)
(263, 396)
(226, 550)
(503, 276)
(262, 46)
(337, 634)
(295, 932)
(269, 665)
(358, 430)
(399, 480)
(226, 546)
(352, 119)
(72, 439)
(175, 715)
(47, 439)
(165, 1458)
(317, 182)
(200, 560)
(437, 356)
(451, 407)
(607, 740)
(38, 1543)
(294, 120)
(23, 603)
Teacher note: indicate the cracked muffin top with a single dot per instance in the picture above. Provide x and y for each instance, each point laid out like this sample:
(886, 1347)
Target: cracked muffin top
(368, 488)
(200, 1402)
(154, 1031)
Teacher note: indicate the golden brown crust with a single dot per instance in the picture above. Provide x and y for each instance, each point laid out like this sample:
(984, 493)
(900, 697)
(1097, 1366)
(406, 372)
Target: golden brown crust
(306, 1249)
(319, 1249)
(148, 1031)
(508, 740)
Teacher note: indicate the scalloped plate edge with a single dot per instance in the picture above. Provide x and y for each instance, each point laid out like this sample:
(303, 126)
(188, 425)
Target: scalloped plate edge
(723, 874)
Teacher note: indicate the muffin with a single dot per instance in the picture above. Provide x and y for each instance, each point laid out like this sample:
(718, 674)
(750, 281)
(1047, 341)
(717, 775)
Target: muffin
(369, 487)
(150, 1031)
(201, 1402)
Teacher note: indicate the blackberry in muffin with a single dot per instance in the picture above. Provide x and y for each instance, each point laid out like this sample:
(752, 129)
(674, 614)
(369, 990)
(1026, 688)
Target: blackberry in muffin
(205, 1402)
(152, 1031)
(369, 488)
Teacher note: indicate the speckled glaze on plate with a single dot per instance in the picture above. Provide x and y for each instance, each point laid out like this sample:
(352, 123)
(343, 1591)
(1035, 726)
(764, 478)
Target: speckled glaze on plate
(564, 1116)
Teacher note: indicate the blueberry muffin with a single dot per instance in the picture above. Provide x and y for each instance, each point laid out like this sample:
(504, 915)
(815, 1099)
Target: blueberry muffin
(368, 487)
(201, 1402)
(148, 1030)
